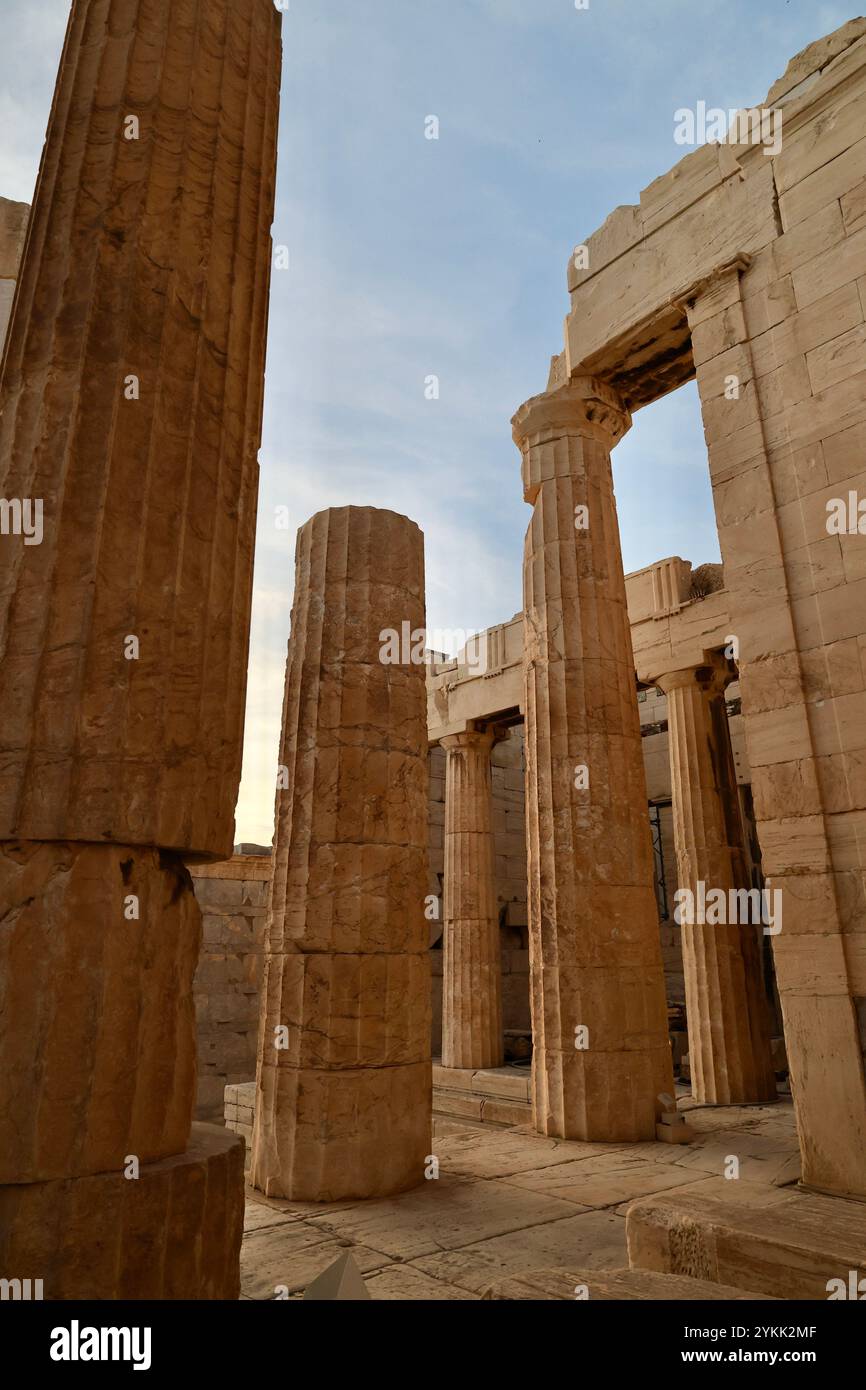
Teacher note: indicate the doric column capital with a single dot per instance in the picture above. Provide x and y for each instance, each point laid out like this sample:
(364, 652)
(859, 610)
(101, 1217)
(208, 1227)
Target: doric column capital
(560, 431)
(711, 677)
(470, 738)
(583, 406)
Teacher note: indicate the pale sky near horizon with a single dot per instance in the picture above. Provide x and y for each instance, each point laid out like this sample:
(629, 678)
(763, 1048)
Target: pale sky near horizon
(411, 257)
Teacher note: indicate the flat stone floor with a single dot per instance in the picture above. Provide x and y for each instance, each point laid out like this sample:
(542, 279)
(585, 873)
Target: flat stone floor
(509, 1200)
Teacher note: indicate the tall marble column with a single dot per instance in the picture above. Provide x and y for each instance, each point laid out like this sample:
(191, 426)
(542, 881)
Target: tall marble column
(472, 985)
(601, 1052)
(130, 417)
(343, 1095)
(728, 1020)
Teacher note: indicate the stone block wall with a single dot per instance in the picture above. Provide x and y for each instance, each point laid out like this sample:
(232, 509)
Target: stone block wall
(233, 897)
(13, 229)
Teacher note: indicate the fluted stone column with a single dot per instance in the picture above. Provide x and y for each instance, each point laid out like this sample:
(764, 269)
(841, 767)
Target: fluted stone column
(130, 412)
(728, 1022)
(343, 1095)
(601, 1052)
(472, 984)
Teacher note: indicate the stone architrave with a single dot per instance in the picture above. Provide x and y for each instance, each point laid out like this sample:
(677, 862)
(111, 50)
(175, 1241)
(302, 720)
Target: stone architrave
(728, 1020)
(344, 1086)
(130, 418)
(601, 1052)
(472, 1034)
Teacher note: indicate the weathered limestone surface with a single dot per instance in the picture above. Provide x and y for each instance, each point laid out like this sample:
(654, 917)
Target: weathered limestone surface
(595, 960)
(728, 1019)
(239, 1108)
(472, 985)
(746, 267)
(13, 231)
(609, 1285)
(509, 874)
(343, 1098)
(130, 411)
(13, 228)
(97, 1026)
(508, 1202)
(233, 898)
(791, 1250)
(805, 714)
(174, 1232)
(146, 258)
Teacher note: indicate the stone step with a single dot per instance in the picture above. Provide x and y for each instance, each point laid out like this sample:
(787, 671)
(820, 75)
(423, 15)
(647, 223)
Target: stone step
(467, 1105)
(511, 1083)
(610, 1285)
(498, 1096)
(795, 1248)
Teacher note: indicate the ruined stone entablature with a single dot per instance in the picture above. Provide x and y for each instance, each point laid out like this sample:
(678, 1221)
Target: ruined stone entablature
(458, 696)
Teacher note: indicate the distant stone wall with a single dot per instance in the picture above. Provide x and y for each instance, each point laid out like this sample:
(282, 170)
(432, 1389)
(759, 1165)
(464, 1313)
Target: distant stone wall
(233, 898)
(13, 229)
(509, 843)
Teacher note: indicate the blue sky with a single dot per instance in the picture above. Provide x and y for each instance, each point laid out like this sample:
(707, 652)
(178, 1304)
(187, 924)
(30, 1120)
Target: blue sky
(411, 257)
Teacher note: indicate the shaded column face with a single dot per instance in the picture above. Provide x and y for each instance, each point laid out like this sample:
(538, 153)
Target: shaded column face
(98, 954)
(344, 1079)
(728, 1020)
(472, 984)
(601, 1050)
(130, 413)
